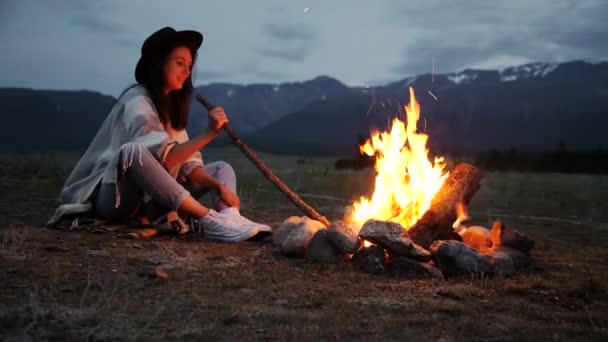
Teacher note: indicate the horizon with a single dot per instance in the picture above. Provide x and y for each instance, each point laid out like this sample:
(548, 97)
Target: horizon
(589, 61)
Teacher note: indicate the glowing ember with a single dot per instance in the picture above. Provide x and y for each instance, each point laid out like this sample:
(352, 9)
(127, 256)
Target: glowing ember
(462, 215)
(407, 180)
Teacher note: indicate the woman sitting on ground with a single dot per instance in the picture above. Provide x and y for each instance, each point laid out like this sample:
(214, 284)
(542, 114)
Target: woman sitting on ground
(142, 162)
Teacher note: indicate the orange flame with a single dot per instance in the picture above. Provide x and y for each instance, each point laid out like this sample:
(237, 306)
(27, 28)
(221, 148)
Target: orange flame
(461, 209)
(407, 180)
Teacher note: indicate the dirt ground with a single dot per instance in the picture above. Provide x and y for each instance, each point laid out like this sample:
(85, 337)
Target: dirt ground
(82, 285)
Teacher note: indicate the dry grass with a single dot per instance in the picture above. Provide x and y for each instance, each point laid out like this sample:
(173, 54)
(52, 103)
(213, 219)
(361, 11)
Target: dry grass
(53, 288)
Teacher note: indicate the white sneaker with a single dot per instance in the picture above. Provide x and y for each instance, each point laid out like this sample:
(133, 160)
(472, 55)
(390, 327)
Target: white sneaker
(234, 212)
(223, 227)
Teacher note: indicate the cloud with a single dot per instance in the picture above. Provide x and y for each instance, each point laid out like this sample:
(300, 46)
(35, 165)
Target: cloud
(269, 74)
(497, 34)
(287, 42)
(207, 75)
(277, 9)
(74, 44)
(455, 55)
(7, 8)
(583, 30)
(286, 32)
(499, 61)
(97, 24)
(98, 18)
(292, 54)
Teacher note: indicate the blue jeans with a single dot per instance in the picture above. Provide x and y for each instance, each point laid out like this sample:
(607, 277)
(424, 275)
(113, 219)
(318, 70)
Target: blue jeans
(145, 175)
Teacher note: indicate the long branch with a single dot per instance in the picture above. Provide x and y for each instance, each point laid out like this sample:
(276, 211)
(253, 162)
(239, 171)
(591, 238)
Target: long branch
(252, 156)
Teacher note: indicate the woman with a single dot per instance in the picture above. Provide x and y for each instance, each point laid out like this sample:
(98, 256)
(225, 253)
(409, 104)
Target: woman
(142, 160)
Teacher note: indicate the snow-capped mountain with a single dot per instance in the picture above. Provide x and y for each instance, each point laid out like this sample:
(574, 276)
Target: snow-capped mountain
(533, 106)
(530, 106)
(527, 71)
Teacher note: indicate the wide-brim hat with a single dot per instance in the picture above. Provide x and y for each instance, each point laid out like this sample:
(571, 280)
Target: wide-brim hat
(159, 43)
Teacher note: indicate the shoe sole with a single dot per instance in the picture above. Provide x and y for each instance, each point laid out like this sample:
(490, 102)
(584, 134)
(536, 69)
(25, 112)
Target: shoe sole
(246, 235)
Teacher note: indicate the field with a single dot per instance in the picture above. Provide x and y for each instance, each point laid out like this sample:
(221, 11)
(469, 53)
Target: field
(81, 285)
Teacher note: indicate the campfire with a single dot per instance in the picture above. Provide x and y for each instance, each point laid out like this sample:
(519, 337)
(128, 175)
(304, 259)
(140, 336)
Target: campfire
(407, 180)
(413, 223)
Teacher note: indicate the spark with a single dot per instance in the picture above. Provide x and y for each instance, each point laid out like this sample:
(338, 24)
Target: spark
(401, 111)
(373, 102)
(433, 72)
(433, 95)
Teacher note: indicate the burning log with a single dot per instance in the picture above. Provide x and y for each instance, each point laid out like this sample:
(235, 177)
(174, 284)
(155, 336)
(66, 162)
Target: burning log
(462, 183)
(477, 237)
(505, 236)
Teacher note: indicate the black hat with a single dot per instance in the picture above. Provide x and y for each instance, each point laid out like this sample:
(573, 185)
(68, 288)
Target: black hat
(159, 42)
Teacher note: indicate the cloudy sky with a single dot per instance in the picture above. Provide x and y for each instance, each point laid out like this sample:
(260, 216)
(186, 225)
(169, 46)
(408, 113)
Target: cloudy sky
(95, 44)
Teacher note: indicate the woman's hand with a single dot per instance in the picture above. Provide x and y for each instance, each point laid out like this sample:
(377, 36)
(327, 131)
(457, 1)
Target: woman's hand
(217, 119)
(229, 197)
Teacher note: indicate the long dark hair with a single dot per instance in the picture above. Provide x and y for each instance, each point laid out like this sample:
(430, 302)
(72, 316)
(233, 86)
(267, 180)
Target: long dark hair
(175, 106)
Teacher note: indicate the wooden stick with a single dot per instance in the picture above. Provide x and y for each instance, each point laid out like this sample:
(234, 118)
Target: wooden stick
(252, 156)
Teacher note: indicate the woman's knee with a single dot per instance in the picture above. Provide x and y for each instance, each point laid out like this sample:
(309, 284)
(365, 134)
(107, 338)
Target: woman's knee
(224, 173)
(224, 170)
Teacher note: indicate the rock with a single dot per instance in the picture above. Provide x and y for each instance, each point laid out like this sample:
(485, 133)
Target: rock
(370, 260)
(505, 236)
(519, 258)
(285, 229)
(455, 257)
(477, 237)
(294, 234)
(393, 238)
(404, 266)
(343, 237)
(319, 249)
(501, 263)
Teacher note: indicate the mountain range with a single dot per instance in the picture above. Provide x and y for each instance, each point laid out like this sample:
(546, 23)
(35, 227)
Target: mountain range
(535, 106)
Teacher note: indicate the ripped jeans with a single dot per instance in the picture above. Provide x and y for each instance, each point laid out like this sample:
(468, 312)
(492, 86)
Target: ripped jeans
(145, 175)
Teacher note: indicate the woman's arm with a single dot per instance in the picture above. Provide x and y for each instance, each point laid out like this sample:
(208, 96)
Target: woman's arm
(200, 176)
(180, 152)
